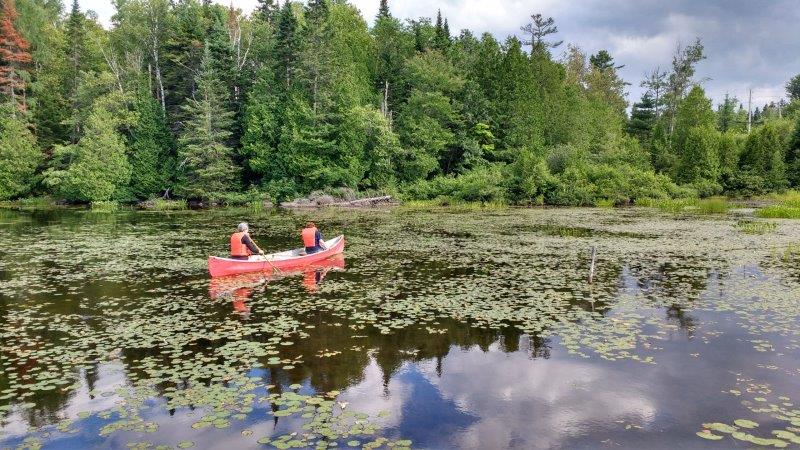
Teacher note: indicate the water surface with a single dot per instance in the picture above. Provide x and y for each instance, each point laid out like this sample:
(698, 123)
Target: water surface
(437, 329)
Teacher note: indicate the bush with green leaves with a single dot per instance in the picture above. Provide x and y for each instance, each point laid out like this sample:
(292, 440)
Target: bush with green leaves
(482, 184)
(19, 156)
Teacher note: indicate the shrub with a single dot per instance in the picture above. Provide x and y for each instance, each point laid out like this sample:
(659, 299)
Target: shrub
(754, 227)
(105, 206)
(779, 212)
(161, 204)
(716, 205)
(482, 184)
(19, 156)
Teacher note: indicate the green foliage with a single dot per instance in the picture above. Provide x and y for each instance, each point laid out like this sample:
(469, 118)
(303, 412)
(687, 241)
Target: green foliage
(19, 156)
(793, 88)
(484, 184)
(97, 167)
(715, 205)
(755, 227)
(763, 157)
(793, 155)
(694, 111)
(700, 156)
(151, 147)
(160, 204)
(203, 100)
(105, 206)
(205, 157)
(779, 212)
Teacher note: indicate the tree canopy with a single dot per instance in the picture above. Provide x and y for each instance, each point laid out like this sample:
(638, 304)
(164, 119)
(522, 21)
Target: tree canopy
(206, 102)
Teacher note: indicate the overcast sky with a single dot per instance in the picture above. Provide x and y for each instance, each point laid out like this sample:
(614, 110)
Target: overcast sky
(750, 43)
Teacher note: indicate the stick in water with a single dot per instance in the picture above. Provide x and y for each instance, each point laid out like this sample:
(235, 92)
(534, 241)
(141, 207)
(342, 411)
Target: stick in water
(591, 267)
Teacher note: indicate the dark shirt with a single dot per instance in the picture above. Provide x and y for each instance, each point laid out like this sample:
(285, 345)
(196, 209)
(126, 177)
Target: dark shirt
(250, 244)
(317, 240)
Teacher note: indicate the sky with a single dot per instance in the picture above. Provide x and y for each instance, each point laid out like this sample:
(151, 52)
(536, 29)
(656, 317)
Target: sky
(750, 44)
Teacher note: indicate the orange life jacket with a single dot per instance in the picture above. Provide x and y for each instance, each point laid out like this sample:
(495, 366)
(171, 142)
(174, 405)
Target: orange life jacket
(237, 247)
(310, 237)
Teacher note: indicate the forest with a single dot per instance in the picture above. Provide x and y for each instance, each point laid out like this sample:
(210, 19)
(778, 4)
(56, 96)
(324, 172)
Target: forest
(191, 100)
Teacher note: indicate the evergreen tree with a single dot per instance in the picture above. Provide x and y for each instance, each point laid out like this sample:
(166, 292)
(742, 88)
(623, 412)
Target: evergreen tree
(393, 47)
(208, 170)
(151, 147)
(763, 156)
(267, 10)
(729, 149)
(19, 157)
(96, 168)
(318, 11)
(288, 43)
(442, 39)
(603, 61)
(700, 158)
(383, 9)
(643, 119)
(14, 58)
(520, 117)
(726, 114)
(261, 125)
(539, 29)
(76, 44)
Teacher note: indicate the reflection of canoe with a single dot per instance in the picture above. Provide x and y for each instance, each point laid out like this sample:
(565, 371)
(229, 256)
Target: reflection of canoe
(231, 286)
(221, 267)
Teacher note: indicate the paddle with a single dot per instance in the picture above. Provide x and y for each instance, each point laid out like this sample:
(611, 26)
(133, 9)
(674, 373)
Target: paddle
(274, 269)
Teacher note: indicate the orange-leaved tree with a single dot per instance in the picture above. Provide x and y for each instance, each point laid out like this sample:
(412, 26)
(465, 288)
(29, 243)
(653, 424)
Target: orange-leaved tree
(14, 57)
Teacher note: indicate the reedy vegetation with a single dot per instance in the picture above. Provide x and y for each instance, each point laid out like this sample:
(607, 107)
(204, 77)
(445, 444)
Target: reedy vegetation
(194, 100)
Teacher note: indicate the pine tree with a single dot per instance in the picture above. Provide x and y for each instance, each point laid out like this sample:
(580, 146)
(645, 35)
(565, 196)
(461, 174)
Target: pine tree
(442, 39)
(14, 57)
(97, 168)
(539, 29)
(208, 170)
(726, 114)
(383, 10)
(76, 44)
(267, 10)
(643, 119)
(151, 148)
(603, 61)
(288, 43)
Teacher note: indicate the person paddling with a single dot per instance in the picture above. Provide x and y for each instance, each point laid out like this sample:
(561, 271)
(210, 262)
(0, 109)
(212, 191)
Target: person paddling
(312, 239)
(242, 246)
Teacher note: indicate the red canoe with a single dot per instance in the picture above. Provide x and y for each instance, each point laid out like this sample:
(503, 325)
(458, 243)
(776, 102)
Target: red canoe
(223, 267)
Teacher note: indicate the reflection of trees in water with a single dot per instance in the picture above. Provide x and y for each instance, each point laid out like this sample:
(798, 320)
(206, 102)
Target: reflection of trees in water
(411, 344)
(678, 286)
(48, 404)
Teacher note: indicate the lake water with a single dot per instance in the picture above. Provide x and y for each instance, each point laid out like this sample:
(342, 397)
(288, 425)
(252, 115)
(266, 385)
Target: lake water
(436, 329)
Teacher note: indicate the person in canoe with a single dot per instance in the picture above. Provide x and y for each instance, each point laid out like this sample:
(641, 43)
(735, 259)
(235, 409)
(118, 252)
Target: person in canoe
(312, 239)
(242, 245)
